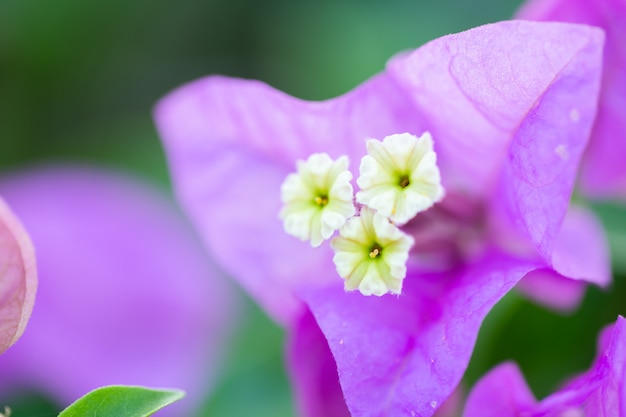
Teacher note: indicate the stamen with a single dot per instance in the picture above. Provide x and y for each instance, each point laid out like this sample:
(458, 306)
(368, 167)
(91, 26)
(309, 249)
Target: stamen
(399, 176)
(317, 199)
(376, 250)
(371, 254)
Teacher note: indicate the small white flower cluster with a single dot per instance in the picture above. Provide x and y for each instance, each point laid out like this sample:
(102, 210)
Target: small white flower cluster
(399, 178)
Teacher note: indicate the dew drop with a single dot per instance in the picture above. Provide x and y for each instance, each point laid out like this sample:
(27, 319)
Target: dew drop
(561, 151)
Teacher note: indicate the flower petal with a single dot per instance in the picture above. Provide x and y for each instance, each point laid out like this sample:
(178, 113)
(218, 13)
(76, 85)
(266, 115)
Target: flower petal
(608, 373)
(123, 278)
(499, 124)
(403, 355)
(313, 371)
(581, 250)
(603, 170)
(230, 144)
(580, 255)
(501, 393)
(599, 392)
(18, 278)
(545, 286)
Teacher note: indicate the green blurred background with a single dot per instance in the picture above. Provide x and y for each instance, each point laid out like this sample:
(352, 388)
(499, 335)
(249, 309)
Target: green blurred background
(78, 81)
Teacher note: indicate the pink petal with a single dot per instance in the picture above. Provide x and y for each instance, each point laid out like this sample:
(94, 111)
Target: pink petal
(314, 371)
(581, 250)
(126, 296)
(599, 392)
(18, 278)
(503, 128)
(453, 405)
(603, 173)
(544, 286)
(405, 355)
(501, 393)
(502, 134)
(608, 372)
(230, 145)
(580, 256)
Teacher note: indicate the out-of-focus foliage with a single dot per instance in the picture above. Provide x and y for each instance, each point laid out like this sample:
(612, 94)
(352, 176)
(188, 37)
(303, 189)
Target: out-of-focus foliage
(78, 81)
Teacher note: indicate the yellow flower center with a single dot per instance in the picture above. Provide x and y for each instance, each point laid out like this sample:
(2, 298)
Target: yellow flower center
(321, 200)
(404, 181)
(376, 251)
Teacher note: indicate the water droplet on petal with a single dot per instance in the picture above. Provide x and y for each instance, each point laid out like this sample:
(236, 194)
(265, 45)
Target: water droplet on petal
(561, 151)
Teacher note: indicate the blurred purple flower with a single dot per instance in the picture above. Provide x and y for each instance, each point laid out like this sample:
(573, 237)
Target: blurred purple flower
(603, 172)
(127, 295)
(498, 101)
(18, 277)
(599, 392)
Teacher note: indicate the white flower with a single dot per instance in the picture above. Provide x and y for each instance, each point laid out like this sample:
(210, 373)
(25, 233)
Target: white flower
(371, 254)
(399, 177)
(317, 199)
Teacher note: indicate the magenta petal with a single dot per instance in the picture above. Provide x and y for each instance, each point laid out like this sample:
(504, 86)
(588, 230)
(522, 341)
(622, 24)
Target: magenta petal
(609, 371)
(453, 405)
(230, 145)
(603, 170)
(580, 256)
(546, 287)
(501, 393)
(598, 392)
(405, 355)
(537, 182)
(314, 371)
(581, 250)
(507, 134)
(126, 295)
(500, 124)
(18, 278)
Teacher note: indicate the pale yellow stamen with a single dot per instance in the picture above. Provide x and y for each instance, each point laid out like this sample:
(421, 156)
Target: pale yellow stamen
(317, 199)
(371, 254)
(399, 176)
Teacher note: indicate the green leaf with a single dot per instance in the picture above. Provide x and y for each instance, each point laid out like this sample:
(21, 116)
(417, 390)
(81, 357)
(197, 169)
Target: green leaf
(122, 401)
